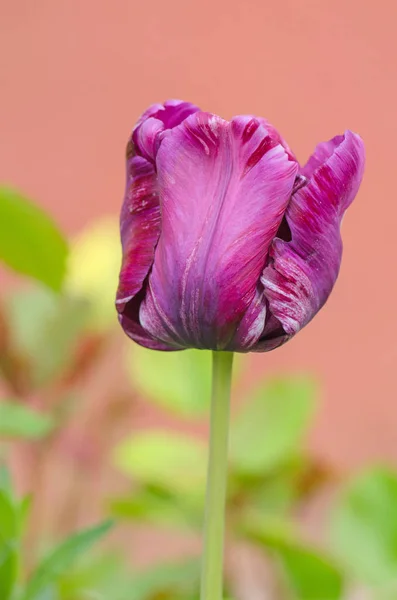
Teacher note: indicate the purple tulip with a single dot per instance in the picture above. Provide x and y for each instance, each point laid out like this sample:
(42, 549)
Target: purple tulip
(228, 243)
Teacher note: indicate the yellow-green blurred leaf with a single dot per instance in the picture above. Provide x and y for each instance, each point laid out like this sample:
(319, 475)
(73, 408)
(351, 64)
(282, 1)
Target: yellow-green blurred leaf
(179, 381)
(19, 421)
(8, 545)
(271, 532)
(273, 495)
(45, 328)
(60, 560)
(95, 577)
(364, 527)
(30, 242)
(161, 507)
(93, 270)
(5, 481)
(172, 581)
(163, 458)
(310, 573)
(270, 428)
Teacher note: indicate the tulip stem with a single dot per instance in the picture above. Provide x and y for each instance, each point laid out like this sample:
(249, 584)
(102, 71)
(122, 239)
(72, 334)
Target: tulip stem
(214, 525)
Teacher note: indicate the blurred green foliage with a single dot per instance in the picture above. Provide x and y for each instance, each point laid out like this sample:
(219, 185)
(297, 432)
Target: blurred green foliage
(44, 581)
(52, 337)
(18, 421)
(364, 526)
(186, 394)
(9, 540)
(30, 242)
(93, 270)
(271, 425)
(264, 486)
(46, 329)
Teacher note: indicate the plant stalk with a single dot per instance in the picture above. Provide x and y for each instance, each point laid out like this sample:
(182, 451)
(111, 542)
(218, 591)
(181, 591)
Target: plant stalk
(214, 524)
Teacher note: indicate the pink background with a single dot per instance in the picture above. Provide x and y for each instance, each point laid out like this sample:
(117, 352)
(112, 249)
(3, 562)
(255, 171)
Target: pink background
(75, 75)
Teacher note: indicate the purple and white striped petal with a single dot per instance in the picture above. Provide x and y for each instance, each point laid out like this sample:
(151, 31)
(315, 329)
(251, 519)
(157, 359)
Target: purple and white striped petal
(227, 244)
(155, 120)
(224, 187)
(302, 271)
(140, 230)
(140, 215)
(139, 226)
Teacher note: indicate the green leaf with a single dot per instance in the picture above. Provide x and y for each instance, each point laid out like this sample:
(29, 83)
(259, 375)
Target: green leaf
(8, 545)
(169, 581)
(95, 576)
(51, 593)
(6, 481)
(268, 532)
(46, 328)
(8, 517)
(25, 506)
(60, 560)
(179, 381)
(160, 507)
(8, 570)
(364, 526)
(270, 428)
(274, 495)
(311, 575)
(30, 242)
(93, 270)
(28, 313)
(163, 458)
(19, 421)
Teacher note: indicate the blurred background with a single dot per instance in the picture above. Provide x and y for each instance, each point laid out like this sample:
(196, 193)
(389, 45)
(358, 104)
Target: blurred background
(85, 416)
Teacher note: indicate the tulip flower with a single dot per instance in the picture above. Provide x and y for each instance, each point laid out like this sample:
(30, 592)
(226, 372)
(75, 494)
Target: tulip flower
(228, 243)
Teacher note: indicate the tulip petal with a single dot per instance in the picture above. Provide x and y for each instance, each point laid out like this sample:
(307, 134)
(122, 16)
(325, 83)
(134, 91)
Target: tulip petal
(140, 215)
(139, 226)
(157, 119)
(224, 188)
(140, 230)
(129, 320)
(275, 134)
(252, 324)
(301, 272)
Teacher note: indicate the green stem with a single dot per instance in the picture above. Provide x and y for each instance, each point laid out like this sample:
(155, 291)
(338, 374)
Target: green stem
(214, 526)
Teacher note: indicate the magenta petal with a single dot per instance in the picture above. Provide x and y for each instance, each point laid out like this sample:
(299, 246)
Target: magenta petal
(140, 230)
(252, 324)
(140, 215)
(275, 134)
(302, 272)
(140, 227)
(171, 113)
(224, 188)
(146, 138)
(157, 118)
(129, 321)
(322, 153)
